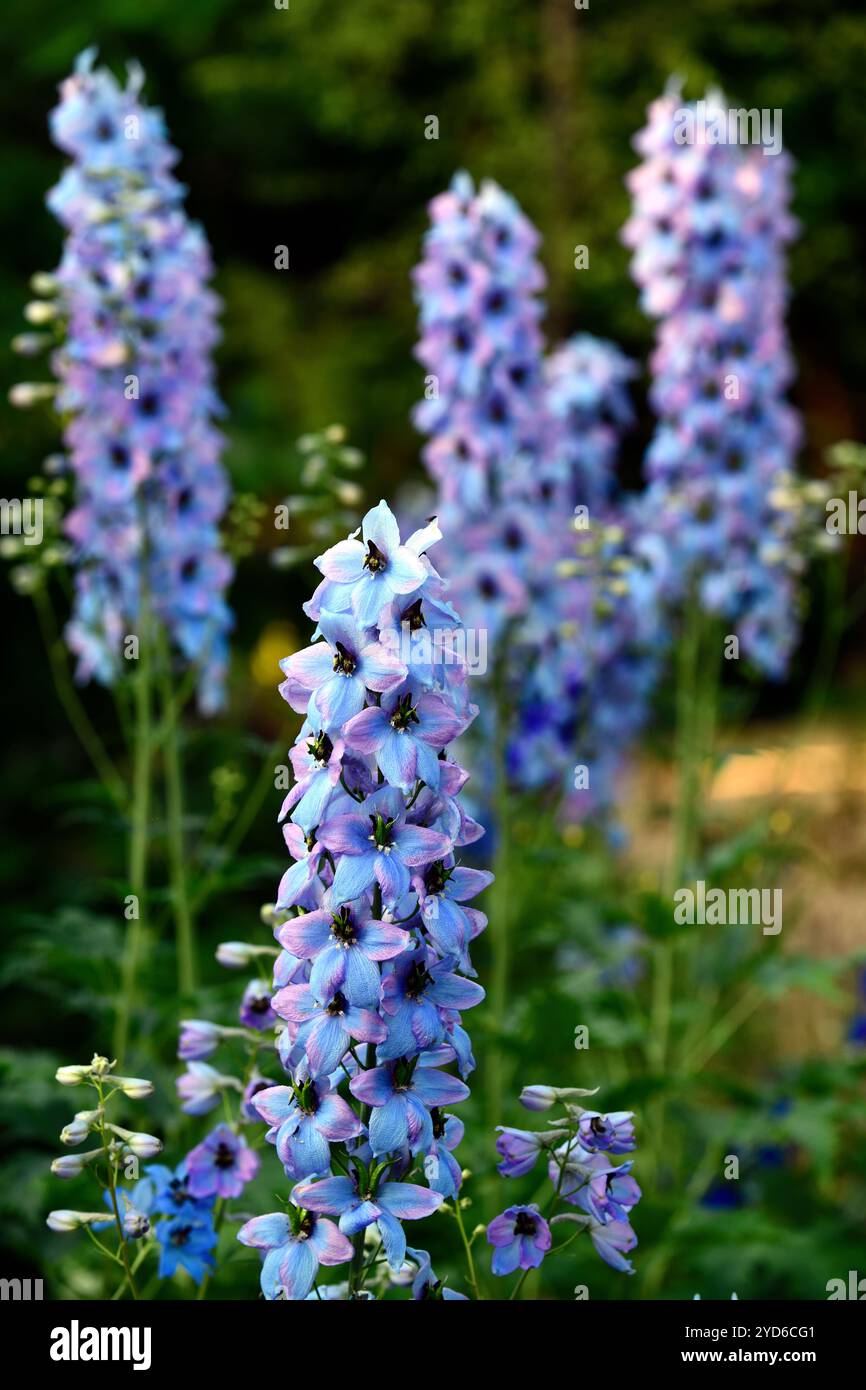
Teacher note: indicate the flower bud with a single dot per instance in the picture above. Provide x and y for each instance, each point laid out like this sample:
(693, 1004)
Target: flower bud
(71, 1076)
(72, 1165)
(38, 311)
(235, 955)
(136, 1087)
(78, 1129)
(142, 1145)
(64, 1221)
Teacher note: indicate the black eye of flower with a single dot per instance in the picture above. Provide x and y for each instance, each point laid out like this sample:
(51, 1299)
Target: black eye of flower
(149, 403)
(374, 560)
(497, 301)
(320, 748)
(180, 1235)
(417, 980)
(414, 617)
(337, 1005)
(438, 1122)
(189, 568)
(436, 877)
(343, 928)
(344, 662)
(404, 714)
(224, 1157)
(525, 1224)
(487, 587)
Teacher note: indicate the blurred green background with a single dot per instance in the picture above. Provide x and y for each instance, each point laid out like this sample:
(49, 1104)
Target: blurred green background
(305, 127)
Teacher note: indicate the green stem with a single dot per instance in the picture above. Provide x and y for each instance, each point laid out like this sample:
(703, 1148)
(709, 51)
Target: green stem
(500, 920)
(184, 924)
(467, 1246)
(111, 1175)
(138, 844)
(72, 706)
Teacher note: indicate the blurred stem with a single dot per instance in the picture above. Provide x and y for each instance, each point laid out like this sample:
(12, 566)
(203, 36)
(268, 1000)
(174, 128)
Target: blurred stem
(183, 919)
(500, 917)
(138, 844)
(72, 706)
(242, 823)
(467, 1246)
(834, 619)
(356, 1268)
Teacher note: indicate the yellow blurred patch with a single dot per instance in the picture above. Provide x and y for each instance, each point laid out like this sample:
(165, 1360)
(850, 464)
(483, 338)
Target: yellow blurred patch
(277, 640)
(573, 836)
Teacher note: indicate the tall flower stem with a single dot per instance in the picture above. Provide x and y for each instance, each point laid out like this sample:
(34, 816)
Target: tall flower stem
(138, 843)
(72, 706)
(111, 1182)
(184, 923)
(500, 916)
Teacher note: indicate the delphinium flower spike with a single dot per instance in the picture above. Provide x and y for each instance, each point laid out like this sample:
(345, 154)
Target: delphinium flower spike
(135, 324)
(709, 228)
(373, 975)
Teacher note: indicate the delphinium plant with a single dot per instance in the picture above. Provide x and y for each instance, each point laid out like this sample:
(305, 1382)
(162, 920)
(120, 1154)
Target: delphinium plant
(374, 970)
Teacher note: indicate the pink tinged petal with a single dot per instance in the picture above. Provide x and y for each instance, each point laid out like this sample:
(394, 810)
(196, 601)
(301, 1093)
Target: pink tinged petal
(326, 1043)
(328, 974)
(381, 941)
(343, 563)
(247, 1164)
(438, 1087)
(274, 1104)
(417, 845)
(365, 1026)
(294, 1003)
(346, 834)
(330, 1245)
(305, 935)
(381, 669)
(365, 731)
(294, 883)
(380, 527)
(332, 1195)
(407, 1201)
(358, 1218)
(374, 1087)
(398, 758)
(298, 1269)
(266, 1232)
(305, 1151)
(336, 1120)
(310, 667)
(468, 883)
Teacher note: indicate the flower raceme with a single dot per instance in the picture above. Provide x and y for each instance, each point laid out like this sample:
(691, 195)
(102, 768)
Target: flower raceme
(373, 974)
(136, 387)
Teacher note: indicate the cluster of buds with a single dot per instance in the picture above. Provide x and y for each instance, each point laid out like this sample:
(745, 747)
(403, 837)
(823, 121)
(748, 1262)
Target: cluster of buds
(325, 500)
(116, 1154)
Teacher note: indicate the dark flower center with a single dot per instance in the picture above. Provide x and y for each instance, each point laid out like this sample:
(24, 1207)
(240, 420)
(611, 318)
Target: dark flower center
(404, 714)
(417, 980)
(180, 1235)
(374, 560)
(437, 876)
(337, 1005)
(525, 1225)
(320, 748)
(343, 928)
(381, 836)
(344, 662)
(224, 1156)
(414, 617)
(438, 1122)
